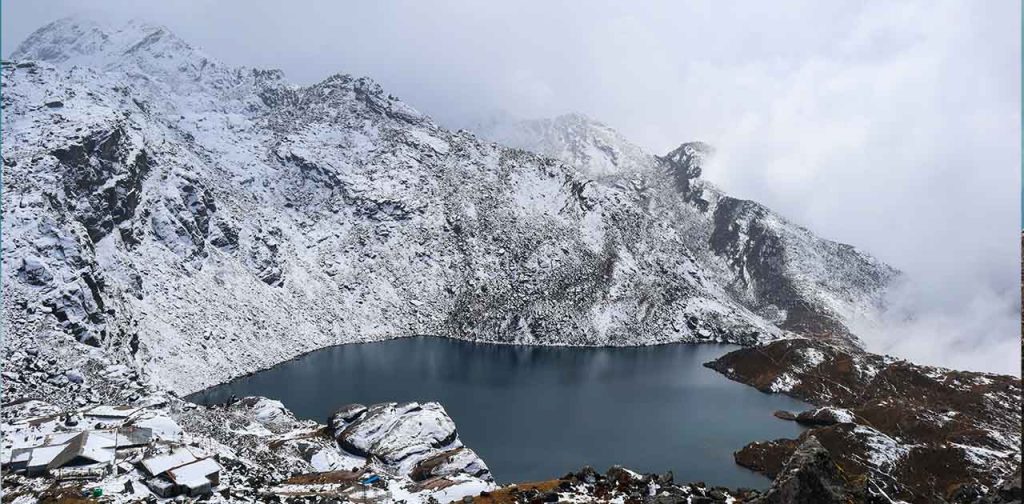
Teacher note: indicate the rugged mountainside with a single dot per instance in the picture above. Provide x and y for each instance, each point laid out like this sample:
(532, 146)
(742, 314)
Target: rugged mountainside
(777, 269)
(917, 433)
(177, 212)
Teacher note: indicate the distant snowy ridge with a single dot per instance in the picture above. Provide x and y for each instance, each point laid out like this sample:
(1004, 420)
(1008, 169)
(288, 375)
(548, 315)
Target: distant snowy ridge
(198, 222)
(778, 269)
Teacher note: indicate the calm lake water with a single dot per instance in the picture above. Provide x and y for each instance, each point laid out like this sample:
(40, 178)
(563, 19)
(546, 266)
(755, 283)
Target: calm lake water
(536, 413)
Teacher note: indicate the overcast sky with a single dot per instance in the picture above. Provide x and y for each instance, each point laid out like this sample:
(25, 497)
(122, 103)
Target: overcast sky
(894, 126)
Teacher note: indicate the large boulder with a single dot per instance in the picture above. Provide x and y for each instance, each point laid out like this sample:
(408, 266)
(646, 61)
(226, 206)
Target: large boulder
(809, 477)
(460, 460)
(825, 416)
(405, 436)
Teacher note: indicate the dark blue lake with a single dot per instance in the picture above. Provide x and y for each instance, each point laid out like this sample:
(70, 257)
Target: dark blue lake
(535, 413)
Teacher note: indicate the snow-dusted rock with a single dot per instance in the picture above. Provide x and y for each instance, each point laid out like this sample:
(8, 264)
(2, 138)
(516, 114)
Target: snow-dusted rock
(452, 462)
(345, 415)
(74, 376)
(825, 416)
(415, 438)
(775, 268)
(810, 475)
(887, 420)
(268, 412)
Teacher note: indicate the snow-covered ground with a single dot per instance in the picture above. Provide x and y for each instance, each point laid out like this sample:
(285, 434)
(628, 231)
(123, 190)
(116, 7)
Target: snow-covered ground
(254, 448)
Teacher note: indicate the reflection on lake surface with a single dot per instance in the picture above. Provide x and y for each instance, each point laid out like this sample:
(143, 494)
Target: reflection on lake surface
(534, 412)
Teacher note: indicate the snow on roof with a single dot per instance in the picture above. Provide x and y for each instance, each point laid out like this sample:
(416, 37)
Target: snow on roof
(126, 436)
(60, 437)
(21, 455)
(110, 411)
(162, 427)
(194, 474)
(96, 448)
(161, 463)
(43, 455)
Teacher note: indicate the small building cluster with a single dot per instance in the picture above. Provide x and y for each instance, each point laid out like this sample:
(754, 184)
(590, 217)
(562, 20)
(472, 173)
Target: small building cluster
(95, 443)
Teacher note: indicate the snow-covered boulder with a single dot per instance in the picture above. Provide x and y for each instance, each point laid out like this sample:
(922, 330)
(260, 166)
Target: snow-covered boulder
(405, 435)
(345, 415)
(460, 460)
(825, 416)
(268, 413)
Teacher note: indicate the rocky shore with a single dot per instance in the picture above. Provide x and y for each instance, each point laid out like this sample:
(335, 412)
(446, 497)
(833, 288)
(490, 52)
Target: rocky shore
(883, 430)
(909, 432)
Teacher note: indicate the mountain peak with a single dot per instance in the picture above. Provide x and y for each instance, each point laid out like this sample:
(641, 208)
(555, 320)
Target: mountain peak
(588, 144)
(149, 56)
(686, 163)
(84, 41)
(63, 40)
(137, 48)
(688, 159)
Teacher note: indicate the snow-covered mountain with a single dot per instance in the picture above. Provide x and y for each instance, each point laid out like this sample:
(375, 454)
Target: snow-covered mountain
(177, 212)
(774, 267)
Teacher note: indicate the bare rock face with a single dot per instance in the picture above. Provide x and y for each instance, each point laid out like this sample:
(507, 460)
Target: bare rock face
(810, 477)
(685, 165)
(416, 439)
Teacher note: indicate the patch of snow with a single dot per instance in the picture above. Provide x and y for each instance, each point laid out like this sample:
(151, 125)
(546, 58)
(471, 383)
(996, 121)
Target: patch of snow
(784, 383)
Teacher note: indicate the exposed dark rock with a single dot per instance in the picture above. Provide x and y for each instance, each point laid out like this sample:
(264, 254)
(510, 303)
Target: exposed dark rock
(103, 177)
(452, 462)
(766, 457)
(784, 415)
(810, 477)
(224, 236)
(685, 164)
(919, 433)
(345, 415)
(1007, 492)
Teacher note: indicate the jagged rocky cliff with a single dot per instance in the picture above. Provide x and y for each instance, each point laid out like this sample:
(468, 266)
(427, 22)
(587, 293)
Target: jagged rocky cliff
(781, 271)
(177, 212)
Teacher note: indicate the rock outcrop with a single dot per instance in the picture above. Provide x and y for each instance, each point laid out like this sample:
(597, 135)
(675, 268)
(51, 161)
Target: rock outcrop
(414, 439)
(919, 433)
(810, 477)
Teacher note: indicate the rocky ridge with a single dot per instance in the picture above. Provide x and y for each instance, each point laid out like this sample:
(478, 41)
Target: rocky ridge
(779, 270)
(910, 432)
